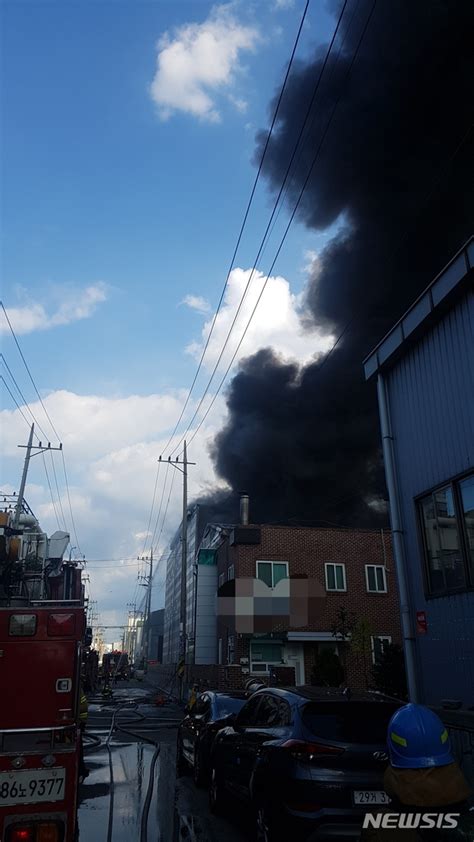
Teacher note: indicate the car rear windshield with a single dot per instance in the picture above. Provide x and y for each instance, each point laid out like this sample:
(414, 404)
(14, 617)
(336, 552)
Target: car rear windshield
(228, 704)
(349, 722)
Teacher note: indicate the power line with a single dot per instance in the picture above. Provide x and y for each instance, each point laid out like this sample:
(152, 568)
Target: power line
(29, 425)
(437, 181)
(283, 88)
(51, 491)
(29, 373)
(57, 489)
(25, 402)
(15, 400)
(152, 507)
(166, 510)
(303, 188)
(49, 419)
(69, 502)
(161, 505)
(262, 244)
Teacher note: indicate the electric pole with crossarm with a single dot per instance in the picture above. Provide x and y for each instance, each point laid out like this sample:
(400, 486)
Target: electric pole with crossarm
(182, 465)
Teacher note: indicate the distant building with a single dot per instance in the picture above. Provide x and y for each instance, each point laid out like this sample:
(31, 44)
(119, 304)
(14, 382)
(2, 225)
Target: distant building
(425, 380)
(157, 624)
(197, 518)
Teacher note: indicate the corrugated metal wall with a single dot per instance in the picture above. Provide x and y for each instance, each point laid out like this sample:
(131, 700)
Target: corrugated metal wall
(431, 395)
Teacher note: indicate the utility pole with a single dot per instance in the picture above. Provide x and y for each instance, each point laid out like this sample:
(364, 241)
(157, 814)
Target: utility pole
(147, 582)
(29, 447)
(182, 465)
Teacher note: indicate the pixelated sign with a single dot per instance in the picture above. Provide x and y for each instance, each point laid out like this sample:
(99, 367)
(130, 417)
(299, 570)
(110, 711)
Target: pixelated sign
(249, 606)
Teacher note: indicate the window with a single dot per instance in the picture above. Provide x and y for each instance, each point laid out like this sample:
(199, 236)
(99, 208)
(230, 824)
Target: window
(447, 525)
(375, 578)
(221, 580)
(265, 655)
(230, 572)
(379, 642)
(230, 649)
(272, 572)
(219, 651)
(246, 717)
(273, 712)
(335, 577)
(466, 488)
(358, 722)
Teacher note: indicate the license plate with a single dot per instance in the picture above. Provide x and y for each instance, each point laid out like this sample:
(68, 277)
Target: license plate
(370, 796)
(29, 786)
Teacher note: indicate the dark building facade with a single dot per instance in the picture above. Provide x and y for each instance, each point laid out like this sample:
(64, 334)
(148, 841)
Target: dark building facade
(157, 625)
(425, 380)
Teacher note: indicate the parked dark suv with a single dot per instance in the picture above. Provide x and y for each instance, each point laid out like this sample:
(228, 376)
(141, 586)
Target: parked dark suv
(199, 727)
(306, 759)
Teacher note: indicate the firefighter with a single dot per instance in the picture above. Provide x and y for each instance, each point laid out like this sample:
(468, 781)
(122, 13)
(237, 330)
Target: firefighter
(423, 777)
(83, 713)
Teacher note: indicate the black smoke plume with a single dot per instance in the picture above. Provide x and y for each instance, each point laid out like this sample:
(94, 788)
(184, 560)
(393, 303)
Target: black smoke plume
(396, 172)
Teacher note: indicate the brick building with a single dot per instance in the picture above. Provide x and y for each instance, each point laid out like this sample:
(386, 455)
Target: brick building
(353, 568)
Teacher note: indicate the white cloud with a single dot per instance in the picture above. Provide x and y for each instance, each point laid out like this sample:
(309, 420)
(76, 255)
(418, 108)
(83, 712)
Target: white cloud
(111, 446)
(198, 62)
(276, 322)
(284, 4)
(197, 302)
(71, 304)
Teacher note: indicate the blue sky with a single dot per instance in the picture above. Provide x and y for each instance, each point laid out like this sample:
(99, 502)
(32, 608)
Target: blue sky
(114, 211)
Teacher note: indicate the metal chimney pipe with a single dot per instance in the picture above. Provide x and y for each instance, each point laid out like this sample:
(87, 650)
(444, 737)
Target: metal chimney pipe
(244, 508)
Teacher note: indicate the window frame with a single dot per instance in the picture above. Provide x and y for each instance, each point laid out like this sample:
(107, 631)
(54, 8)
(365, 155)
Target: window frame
(454, 484)
(272, 562)
(268, 664)
(326, 582)
(384, 573)
(221, 580)
(230, 568)
(230, 648)
(373, 637)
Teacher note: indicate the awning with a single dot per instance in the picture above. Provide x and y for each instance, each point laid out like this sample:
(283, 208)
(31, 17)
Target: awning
(311, 637)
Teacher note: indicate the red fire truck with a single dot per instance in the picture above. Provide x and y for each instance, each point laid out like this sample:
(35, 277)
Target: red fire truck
(40, 664)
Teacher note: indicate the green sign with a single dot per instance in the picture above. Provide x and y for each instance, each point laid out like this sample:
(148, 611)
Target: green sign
(207, 557)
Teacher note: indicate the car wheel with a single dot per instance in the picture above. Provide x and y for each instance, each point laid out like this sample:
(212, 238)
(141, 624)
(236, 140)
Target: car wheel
(181, 765)
(267, 828)
(198, 771)
(217, 797)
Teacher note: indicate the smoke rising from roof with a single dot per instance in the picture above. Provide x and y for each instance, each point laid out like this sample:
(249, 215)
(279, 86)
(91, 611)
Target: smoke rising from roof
(396, 168)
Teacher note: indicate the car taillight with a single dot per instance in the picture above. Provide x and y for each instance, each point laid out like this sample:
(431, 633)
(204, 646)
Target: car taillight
(61, 625)
(37, 832)
(303, 806)
(47, 832)
(303, 750)
(22, 625)
(21, 834)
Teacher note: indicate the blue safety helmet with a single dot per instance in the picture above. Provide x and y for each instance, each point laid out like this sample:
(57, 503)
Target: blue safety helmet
(417, 739)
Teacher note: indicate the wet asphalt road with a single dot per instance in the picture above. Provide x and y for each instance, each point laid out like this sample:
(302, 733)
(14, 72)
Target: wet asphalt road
(113, 797)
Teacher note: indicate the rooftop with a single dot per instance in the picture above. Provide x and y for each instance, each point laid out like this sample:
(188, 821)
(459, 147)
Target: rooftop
(424, 311)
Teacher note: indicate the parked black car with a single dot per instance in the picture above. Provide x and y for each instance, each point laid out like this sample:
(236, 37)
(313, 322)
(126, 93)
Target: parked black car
(211, 712)
(306, 759)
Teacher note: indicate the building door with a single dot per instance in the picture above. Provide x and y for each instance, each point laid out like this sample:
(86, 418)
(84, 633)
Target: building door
(294, 655)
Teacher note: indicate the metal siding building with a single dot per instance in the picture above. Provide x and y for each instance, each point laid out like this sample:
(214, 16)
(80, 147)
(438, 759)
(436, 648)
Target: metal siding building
(427, 364)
